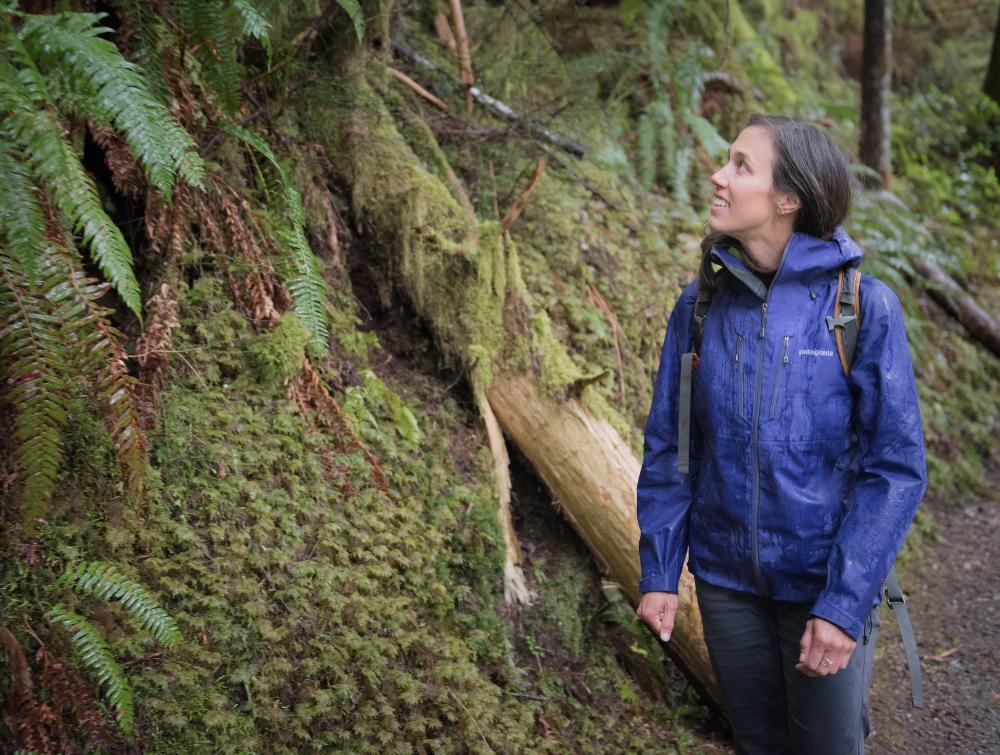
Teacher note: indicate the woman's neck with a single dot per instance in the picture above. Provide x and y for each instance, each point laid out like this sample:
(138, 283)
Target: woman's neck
(763, 254)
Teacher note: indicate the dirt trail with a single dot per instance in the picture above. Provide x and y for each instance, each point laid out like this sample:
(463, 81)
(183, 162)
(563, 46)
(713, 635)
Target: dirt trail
(955, 607)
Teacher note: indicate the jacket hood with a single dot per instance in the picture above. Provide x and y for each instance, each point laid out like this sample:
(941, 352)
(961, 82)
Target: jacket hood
(805, 256)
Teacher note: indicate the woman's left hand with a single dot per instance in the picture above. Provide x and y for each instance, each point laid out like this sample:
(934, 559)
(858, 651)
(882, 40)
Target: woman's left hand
(825, 649)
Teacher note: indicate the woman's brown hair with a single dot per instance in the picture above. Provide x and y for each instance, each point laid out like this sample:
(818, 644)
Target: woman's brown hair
(809, 165)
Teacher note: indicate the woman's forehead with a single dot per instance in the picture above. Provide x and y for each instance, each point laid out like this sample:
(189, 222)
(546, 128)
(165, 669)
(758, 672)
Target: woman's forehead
(755, 142)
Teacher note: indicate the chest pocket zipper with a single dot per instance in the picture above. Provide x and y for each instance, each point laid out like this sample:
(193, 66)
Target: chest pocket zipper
(739, 374)
(777, 382)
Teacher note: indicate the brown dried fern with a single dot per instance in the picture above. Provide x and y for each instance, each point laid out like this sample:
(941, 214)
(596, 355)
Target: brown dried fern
(97, 354)
(312, 397)
(126, 173)
(153, 349)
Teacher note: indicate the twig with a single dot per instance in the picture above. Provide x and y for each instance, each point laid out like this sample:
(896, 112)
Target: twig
(444, 32)
(464, 58)
(522, 199)
(497, 107)
(417, 88)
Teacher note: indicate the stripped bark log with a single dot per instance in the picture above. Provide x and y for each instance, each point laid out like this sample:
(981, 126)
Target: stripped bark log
(592, 473)
(958, 303)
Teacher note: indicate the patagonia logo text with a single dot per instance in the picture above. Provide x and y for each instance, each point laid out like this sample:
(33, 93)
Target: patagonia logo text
(815, 353)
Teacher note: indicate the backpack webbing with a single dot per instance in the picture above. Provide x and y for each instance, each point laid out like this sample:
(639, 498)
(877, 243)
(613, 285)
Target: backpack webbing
(845, 324)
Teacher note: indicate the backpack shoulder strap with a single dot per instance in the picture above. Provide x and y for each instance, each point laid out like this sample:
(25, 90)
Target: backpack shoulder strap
(688, 362)
(846, 320)
(846, 323)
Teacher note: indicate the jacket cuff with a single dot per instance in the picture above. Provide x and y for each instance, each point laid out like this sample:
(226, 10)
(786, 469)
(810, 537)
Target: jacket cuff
(659, 583)
(827, 611)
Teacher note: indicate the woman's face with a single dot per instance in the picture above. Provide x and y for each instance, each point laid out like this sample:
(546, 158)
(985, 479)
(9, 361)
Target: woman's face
(745, 205)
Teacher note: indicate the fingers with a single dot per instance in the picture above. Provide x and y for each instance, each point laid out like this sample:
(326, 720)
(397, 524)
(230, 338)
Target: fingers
(658, 610)
(824, 649)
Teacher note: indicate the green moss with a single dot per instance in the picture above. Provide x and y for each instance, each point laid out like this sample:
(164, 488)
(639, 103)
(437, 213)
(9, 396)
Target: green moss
(278, 354)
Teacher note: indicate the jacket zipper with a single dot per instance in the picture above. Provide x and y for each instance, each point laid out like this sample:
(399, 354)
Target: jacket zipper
(739, 377)
(755, 453)
(754, 450)
(777, 382)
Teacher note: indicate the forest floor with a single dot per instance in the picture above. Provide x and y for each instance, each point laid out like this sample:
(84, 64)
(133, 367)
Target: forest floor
(954, 602)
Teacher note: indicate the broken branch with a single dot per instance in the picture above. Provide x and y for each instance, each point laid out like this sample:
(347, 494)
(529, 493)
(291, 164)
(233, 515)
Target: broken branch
(522, 199)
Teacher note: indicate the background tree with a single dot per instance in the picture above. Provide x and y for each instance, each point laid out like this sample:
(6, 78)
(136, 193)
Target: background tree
(992, 84)
(875, 85)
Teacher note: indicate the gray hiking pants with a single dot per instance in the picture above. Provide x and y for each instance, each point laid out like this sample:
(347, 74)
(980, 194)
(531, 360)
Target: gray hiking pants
(775, 710)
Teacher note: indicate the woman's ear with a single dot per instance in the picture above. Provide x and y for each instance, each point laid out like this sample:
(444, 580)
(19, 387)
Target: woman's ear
(788, 203)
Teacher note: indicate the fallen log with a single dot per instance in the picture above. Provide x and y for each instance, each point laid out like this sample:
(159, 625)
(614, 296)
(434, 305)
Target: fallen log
(592, 474)
(481, 317)
(954, 300)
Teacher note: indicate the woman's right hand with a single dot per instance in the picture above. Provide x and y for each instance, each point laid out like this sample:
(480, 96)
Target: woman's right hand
(658, 610)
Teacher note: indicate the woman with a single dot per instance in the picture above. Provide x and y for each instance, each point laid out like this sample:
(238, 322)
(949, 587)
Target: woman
(803, 479)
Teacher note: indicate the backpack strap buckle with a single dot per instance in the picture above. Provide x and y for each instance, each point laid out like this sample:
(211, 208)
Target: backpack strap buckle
(841, 321)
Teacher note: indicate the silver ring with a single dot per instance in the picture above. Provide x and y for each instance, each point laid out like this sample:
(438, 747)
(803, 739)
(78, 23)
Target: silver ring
(827, 662)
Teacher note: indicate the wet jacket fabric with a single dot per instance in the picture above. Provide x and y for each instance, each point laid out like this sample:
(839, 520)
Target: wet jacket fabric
(803, 481)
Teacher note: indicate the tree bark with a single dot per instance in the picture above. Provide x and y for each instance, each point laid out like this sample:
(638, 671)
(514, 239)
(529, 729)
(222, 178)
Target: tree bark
(592, 474)
(875, 83)
(956, 302)
(992, 84)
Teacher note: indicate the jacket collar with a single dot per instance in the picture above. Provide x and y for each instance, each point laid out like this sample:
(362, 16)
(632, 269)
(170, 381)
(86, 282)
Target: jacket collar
(804, 257)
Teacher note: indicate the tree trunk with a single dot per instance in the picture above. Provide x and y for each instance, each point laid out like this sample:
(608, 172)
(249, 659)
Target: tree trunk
(875, 84)
(992, 84)
(592, 475)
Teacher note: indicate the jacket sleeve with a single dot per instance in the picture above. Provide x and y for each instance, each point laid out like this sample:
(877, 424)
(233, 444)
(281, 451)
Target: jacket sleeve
(892, 469)
(663, 497)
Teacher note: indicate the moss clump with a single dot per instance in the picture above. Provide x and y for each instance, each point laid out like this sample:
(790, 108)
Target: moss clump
(277, 355)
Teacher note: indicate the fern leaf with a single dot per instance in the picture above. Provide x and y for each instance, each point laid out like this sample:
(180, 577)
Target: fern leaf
(305, 281)
(106, 582)
(353, 9)
(112, 91)
(35, 130)
(96, 656)
(211, 24)
(33, 359)
(97, 357)
(254, 23)
(21, 220)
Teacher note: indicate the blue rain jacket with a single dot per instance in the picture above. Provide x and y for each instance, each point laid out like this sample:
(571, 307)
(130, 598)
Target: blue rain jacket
(803, 481)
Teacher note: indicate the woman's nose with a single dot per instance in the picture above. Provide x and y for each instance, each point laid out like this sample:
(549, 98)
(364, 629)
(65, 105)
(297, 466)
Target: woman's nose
(717, 177)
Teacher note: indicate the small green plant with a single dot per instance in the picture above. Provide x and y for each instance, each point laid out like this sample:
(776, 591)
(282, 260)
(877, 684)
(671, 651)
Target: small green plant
(101, 580)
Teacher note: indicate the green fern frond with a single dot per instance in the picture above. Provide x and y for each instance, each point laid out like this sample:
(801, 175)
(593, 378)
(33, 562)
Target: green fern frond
(33, 358)
(106, 582)
(112, 91)
(96, 656)
(305, 281)
(97, 357)
(216, 30)
(34, 128)
(353, 9)
(21, 220)
(255, 24)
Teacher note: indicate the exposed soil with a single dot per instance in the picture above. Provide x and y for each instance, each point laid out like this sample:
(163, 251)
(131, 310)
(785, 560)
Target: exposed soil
(954, 603)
